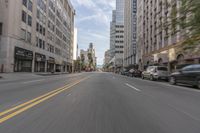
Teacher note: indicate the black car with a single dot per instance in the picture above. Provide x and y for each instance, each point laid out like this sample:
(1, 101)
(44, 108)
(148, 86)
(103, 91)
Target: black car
(135, 73)
(188, 75)
(125, 72)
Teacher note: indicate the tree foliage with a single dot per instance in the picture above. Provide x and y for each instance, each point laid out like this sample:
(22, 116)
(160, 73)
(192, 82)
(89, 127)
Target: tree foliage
(90, 59)
(187, 18)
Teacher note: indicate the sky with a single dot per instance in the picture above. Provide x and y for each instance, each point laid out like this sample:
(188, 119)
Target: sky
(93, 23)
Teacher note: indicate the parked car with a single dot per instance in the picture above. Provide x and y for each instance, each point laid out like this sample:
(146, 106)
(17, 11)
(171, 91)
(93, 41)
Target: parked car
(125, 72)
(188, 75)
(135, 73)
(155, 73)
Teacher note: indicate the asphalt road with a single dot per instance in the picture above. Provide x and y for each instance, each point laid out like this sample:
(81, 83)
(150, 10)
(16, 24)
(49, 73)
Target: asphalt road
(97, 103)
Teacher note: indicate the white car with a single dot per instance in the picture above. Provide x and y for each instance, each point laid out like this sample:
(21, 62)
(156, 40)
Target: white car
(156, 73)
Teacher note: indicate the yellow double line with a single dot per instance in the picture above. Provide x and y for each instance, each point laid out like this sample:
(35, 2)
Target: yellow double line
(8, 114)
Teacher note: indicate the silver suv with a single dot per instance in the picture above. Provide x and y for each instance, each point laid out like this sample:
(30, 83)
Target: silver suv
(155, 73)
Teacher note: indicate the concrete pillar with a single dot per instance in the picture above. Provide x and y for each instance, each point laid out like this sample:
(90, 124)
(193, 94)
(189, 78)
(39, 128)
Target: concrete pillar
(33, 63)
(54, 67)
(45, 68)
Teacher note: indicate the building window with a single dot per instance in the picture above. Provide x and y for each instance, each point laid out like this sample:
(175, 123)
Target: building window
(29, 37)
(29, 20)
(23, 34)
(41, 29)
(42, 5)
(43, 45)
(37, 26)
(24, 16)
(40, 43)
(37, 41)
(44, 31)
(24, 2)
(30, 6)
(1, 28)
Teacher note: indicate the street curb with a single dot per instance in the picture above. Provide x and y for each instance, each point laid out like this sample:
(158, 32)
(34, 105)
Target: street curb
(50, 74)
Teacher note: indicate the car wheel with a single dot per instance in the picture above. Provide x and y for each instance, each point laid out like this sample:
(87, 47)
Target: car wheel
(172, 80)
(151, 78)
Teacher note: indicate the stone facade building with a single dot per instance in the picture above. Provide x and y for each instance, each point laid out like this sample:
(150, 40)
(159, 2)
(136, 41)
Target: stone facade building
(157, 42)
(117, 36)
(36, 35)
(130, 31)
(84, 55)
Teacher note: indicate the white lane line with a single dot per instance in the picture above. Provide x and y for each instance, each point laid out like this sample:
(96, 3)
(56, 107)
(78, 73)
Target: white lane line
(169, 85)
(133, 87)
(33, 81)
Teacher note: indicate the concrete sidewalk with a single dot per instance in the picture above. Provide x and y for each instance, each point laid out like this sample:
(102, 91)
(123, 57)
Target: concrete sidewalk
(20, 76)
(49, 73)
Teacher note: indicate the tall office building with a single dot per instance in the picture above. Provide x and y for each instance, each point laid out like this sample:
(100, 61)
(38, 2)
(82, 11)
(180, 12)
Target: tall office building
(140, 33)
(107, 57)
(159, 44)
(117, 36)
(130, 19)
(37, 35)
(112, 34)
(120, 12)
(75, 46)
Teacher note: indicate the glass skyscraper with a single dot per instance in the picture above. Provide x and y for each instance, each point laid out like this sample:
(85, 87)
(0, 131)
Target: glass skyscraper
(120, 12)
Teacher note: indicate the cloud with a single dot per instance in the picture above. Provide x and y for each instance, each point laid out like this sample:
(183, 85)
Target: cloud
(93, 22)
(99, 14)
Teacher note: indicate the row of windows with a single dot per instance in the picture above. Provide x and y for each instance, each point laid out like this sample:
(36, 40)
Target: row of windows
(42, 5)
(119, 46)
(119, 26)
(51, 26)
(26, 18)
(119, 41)
(40, 43)
(25, 35)
(119, 52)
(52, 16)
(40, 29)
(119, 31)
(51, 5)
(50, 48)
(119, 36)
(41, 17)
(58, 33)
(28, 4)
(57, 51)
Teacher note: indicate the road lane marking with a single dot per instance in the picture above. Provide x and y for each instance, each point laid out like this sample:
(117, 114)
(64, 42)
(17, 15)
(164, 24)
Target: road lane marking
(33, 100)
(21, 108)
(165, 84)
(133, 87)
(33, 81)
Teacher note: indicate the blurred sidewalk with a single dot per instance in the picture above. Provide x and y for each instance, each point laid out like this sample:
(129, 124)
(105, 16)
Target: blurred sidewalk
(20, 76)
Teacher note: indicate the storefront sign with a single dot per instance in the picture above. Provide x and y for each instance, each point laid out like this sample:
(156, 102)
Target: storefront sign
(40, 57)
(21, 53)
(51, 60)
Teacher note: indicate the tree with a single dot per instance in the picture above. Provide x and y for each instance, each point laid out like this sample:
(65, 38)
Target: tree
(90, 59)
(187, 18)
(82, 63)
